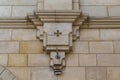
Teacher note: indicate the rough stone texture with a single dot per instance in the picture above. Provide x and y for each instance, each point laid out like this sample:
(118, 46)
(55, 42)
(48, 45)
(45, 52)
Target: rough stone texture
(101, 47)
(24, 2)
(73, 73)
(5, 11)
(40, 6)
(24, 34)
(87, 60)
(80, 47)
(5, 34)
(117, 46)
(38, 60)
(96, 73)
(114, 10)
(1, 69)
(89, 34)
(94, 11)
(9, 47)
(3, 59)
(7, 75)
(72, 60)
(113, 73)
(108, 60)
(43, 73)
(58, 4)
(22, 11)
(110, 34)
(21, 73)
(17, 60)
(31, 47)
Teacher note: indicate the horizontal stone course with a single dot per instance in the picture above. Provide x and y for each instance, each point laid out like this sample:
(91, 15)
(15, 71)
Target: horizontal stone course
(31, 47)
(17, 60)
(38, 60)
(3, 59)
(5, 34)
(24, 34)
(108, 60)
(117, 46)
(101, 47)
(5, 11)
(9, 47)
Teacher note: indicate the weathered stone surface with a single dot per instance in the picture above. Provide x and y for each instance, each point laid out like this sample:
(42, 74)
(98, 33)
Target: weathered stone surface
(87, 60)
(5, 11)
(3, 59)
(9, 47)
(101, 47)
(7, 75)
(24, 34)
(17, 60)
(22, 11)
(117, 46)
(24, 2)
(96, 73)
(80, 47)
(110, 34)
(43, 73)
(5, 2)
(72, 60)
(1, 69)
(21, 73)
(5, 34)
(31, 47)
(113, 73)
(73, 73)
(38, 60)
(108, 60)
(40, 5)
(89, 34)
(58, 4)
(114, 11)
(95, 11)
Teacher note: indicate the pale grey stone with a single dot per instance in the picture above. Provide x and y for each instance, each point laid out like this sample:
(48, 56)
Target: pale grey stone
(96, 73)
(1, 69)
(43, 73)
(24, 2)
(95, 11)
(5, 11)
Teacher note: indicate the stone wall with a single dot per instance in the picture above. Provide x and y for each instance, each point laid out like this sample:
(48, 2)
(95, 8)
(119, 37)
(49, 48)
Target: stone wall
(95, 54)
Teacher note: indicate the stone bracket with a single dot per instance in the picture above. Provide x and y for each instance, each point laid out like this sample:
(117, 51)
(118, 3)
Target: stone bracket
(57, 61)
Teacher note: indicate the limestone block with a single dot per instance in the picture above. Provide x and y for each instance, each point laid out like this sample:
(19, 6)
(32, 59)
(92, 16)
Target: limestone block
(17, 60)
(5, 2)
(24, 34)
(5, 34)
(21, 73)
(58, 4)
(80, 47)
(110, 34)
(9, 47)
(40, 5)
(1, 69)
(76, 1)
(5, 11)
(113, 73)
(43, 73)
(117, 46)
(72, 60)
(38, 60)
(22, 11)
(40, 0)
(114, 11)
(76, 6)
(108, 60)
(101, 47)
(7, 75)
(3, 59)
(31, 47)
(24, 2)
(95, 11)
(96, 73)
(73, 73)
(95, 2)
(89, 34)
(87, 60)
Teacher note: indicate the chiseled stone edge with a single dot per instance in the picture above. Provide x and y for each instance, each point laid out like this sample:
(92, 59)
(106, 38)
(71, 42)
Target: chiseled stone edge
(5, 74)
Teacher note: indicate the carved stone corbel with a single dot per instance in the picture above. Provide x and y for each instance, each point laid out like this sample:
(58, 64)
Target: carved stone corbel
(57, 30)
